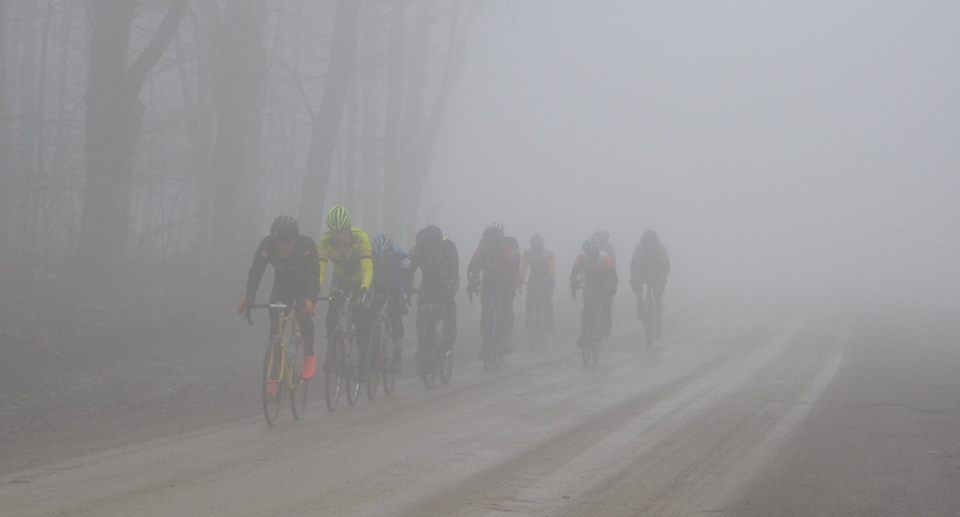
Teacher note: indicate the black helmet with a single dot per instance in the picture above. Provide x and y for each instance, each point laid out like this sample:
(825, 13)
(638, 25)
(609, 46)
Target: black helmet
(429, 235)
(494, 231)
(591, 246)
(285, 227)
(650, 236)
(602, 235)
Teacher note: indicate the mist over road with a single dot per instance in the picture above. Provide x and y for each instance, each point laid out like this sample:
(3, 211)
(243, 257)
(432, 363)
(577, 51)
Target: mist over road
(750, 410)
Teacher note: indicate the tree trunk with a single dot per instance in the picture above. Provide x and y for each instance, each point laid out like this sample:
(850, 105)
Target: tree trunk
(5, 171)
(370, 160)
(114, 116)
(392, 170)
(326, 122)
(413, 119)
(239, 77)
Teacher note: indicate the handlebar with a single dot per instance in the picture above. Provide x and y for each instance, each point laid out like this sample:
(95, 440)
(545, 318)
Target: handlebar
(282, 306)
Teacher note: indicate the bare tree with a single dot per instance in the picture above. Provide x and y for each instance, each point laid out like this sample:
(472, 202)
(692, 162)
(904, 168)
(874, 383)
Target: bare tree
(114, 115)
(5, 172)
(239, 74)
(326, 121)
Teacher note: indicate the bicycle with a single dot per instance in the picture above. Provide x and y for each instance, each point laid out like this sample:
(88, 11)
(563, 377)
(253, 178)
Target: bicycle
(433, 360)
(537, 319)
(648, 314)
(381, 373)
(493, 346)
(592, 335)
(282, 366)
(343, 376)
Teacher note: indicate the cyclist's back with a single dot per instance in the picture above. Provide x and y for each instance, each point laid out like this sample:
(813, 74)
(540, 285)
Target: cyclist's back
(439, 263)
(494, 266)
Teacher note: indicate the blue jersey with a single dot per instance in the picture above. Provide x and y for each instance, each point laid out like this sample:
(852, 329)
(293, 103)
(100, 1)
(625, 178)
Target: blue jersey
(391, 274)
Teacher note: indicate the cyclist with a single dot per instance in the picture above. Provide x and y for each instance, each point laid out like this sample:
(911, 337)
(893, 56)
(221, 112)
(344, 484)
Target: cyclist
(607, 247)
(543, 272)
(348, 247)
(439, 263)
(391, 286)
(594, 271)
(295, 265)
(493, 272)
(649, 267)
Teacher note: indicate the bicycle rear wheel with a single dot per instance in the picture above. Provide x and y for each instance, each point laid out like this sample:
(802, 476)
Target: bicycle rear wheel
(298, 385)
(333, 382)
(446, 366)
(377, 360)
(351, 365)
(272, 387)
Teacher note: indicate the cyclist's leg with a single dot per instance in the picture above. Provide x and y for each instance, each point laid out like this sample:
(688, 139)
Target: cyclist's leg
(531, 306)
(586, 320)
(486, 317)
(548, 310)
(509, 316)
(421, 324)
(658, 302)
(365, 317)
(448, 316)
(395, 311)
(607, 321)
(337, 300)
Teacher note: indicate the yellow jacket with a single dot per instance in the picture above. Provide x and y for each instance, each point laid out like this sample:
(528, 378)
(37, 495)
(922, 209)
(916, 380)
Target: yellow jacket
(354, 266)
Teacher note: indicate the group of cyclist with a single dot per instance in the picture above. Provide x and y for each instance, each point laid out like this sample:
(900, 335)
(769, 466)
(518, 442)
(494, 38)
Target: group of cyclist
(377, 276)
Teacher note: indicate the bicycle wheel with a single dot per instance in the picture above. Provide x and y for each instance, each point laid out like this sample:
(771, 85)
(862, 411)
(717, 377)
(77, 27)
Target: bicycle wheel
(375, 367)
(272, 388)
(445, 359)
(352, 367)
(333, 382)
(298, 385)
(649, 329)
(428, 367)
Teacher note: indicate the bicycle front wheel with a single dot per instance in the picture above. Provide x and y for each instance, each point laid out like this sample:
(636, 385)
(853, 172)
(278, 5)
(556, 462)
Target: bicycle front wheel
(333, 383)
(272, 388)
(298, 385)
(446, 366)
(351, 366)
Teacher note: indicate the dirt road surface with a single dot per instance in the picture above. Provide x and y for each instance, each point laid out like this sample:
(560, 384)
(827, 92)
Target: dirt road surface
(746, 411)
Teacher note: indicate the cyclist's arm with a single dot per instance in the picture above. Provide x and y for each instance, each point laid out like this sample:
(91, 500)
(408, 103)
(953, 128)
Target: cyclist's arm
(366, 260)
(323, 257)
(260, 261)
(575, 273)
(524, 264)
(312, 280)
(454, 261)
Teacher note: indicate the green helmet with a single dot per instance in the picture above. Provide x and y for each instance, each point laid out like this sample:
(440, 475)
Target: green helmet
(338, 218)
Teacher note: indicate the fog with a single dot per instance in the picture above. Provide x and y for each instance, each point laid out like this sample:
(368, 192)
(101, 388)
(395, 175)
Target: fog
(800, 162)
(781, 144)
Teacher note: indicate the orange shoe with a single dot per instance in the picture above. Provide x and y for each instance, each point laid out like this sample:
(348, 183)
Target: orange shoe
(273, 387)
(309, 366)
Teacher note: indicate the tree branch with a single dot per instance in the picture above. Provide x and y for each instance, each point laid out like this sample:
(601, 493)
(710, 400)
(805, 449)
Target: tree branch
(150, 56)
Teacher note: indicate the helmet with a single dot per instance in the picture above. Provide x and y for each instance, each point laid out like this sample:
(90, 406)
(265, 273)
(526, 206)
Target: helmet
(602, 235)
(285, 226)
(650, 236)
(536, 240)
(339, 218)
(429, 235)
(382, 245)
(493, 231)
(591, 246)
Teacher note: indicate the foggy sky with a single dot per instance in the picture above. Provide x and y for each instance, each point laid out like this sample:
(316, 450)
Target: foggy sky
(801, 142)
